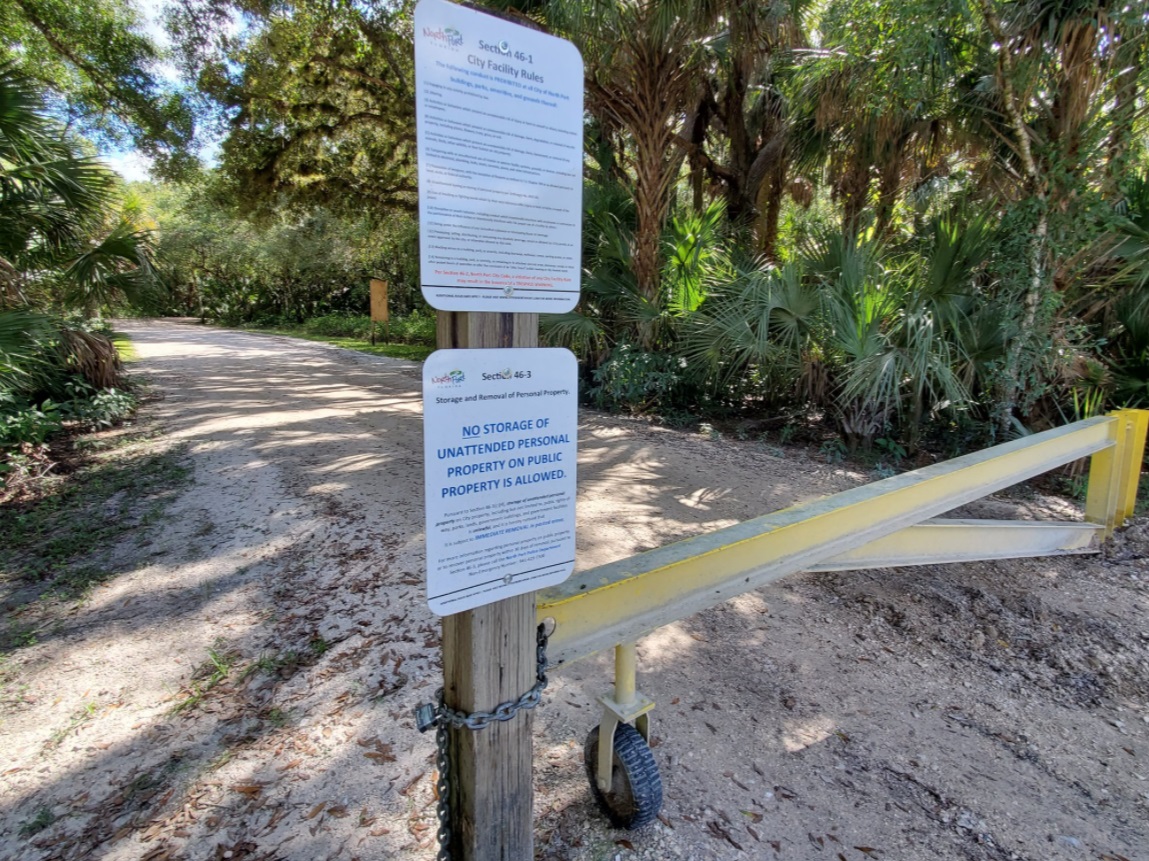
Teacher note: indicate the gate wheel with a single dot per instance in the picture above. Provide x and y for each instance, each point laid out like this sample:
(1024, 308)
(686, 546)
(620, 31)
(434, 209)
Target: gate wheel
(635, 795)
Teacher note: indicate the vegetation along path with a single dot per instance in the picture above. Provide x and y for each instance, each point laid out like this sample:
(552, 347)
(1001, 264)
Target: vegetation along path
(243, 687)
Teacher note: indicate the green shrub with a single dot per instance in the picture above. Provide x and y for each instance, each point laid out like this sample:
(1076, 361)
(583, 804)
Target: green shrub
(631, 380)
(417, 329)
(339, 326)
(412, 329)
(96, 409)
(21, 423)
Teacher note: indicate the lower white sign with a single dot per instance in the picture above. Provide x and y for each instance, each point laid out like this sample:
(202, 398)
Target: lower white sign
(500, 434)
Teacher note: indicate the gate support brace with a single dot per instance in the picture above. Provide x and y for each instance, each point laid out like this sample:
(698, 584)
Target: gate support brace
(943, 541)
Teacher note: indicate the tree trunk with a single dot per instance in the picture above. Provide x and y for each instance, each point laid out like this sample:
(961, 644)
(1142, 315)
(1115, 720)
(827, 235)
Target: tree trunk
(888, 184)
(770, 211)
(648, 102)
(1129, 62)
(1037, 247)
(854, 192)
(1079, 81)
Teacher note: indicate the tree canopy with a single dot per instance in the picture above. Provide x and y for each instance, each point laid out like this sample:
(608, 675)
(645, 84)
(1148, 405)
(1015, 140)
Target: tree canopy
(316, 98)
(102, 73)
(898, 217)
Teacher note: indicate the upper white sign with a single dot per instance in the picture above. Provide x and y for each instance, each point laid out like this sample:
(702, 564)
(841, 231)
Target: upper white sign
(499, 114)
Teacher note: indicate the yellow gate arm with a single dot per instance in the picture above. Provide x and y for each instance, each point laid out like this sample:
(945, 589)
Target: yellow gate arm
(870, 526)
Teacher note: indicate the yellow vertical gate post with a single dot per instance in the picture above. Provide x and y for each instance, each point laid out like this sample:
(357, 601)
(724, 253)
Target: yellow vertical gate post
(1102, 496)
(1137, 422)
(1110, 472)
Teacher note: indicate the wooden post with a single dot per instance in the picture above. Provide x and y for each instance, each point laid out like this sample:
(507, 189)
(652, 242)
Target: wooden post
(489, 658)
(379, 310)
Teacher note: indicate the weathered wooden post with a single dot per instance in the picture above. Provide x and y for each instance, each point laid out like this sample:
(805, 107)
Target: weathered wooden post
(488, 659)
(499, 115)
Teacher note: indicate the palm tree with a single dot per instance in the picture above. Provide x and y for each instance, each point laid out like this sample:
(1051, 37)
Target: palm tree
(54, 205)
(643, 62)
(1052, 63)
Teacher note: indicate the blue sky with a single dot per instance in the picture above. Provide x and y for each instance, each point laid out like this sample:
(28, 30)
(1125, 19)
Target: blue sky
(130, 164)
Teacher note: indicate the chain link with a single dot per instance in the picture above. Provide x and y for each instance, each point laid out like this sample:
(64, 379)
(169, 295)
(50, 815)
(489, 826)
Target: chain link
(443, 718)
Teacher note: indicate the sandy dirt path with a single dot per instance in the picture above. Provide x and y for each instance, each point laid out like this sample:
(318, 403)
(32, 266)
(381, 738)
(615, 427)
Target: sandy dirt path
(974, 712)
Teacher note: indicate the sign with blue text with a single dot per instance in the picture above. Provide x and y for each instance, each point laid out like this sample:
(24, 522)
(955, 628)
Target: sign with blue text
(500, 430)
(499, 119)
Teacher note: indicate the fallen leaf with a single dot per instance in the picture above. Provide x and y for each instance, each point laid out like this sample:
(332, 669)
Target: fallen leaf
(249, 789)
(754, 833)
(625, 844)
(407, 789)
(816, 841)
(382, 753)
(291, 764)
(316, 810)
(868, 851)
(752, 816)
(721, 833)
(776, 845)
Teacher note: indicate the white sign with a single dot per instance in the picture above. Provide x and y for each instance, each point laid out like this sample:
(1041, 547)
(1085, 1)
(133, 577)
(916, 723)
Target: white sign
(500, 431)
(499, 114)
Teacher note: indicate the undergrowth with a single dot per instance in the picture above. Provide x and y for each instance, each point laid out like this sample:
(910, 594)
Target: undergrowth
(411, 337)
(61, 533)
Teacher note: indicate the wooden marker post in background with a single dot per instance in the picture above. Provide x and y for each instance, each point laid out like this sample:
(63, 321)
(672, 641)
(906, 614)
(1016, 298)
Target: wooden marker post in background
(379, 310)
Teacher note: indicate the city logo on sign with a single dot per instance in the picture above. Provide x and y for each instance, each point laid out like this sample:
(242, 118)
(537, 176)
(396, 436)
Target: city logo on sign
(448, 36)
(451, 378)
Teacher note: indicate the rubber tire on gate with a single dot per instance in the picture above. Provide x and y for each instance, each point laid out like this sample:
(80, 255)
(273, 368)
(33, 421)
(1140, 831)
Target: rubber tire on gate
(636, 786)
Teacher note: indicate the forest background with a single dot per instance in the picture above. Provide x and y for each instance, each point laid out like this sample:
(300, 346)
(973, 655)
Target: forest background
(903, 225)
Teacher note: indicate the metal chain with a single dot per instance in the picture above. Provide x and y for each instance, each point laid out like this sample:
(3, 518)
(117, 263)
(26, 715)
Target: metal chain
(443, 717)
